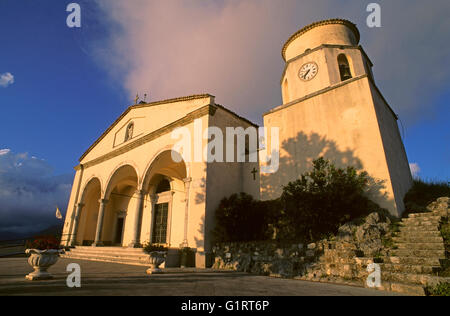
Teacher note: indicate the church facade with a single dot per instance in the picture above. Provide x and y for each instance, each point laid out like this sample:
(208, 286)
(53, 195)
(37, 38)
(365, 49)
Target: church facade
(132, 186)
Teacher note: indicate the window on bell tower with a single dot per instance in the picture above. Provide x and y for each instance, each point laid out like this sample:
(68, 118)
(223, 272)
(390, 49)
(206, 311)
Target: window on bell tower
(344, 67)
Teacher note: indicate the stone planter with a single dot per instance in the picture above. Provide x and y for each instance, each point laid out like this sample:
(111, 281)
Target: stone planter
(41, 260)
(155, 259)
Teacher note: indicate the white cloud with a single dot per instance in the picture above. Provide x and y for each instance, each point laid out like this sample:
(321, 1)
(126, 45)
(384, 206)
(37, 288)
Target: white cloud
(6, 79)
(4, 152)
(29, 193)
(232, 48)
(415, 169)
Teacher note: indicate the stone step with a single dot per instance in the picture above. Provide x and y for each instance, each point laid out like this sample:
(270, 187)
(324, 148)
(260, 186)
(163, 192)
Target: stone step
(420, 215)
(101, 258)
(415, 269)
(414, 239)
(420, 234)
(421, 246)
(428, 224)
(426, 228)
(415, 261)
(137, 256)
(420, 253)
(108, 249)
(430, 217)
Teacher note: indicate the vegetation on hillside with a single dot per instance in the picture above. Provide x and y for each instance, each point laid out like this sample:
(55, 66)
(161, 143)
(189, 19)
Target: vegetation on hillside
(311, 208)
(422, 194)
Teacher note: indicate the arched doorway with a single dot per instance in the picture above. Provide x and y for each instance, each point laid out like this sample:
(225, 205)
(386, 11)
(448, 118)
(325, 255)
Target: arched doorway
(89, 213)
(165, 183)
(120, 205)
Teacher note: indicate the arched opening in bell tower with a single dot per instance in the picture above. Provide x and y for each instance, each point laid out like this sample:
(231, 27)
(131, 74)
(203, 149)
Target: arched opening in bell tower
(344, 67)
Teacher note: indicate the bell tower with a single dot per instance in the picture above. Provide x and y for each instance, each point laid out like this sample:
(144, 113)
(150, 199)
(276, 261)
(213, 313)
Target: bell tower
(332, 108)
(320, 55)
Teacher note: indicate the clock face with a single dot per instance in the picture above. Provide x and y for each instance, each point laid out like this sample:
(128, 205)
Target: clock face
(308, 71)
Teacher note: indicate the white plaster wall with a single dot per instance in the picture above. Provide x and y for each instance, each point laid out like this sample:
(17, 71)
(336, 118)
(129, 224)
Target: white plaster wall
(340, 124)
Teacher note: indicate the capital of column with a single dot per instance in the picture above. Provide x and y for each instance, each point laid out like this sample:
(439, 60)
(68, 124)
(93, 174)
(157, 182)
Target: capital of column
(141, 193)
(187, 180)
(103, 201)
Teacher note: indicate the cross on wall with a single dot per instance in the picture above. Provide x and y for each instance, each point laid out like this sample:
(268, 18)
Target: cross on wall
(254, 172)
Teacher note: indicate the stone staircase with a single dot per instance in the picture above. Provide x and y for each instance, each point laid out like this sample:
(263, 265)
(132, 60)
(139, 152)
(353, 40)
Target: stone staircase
(120, 255)
(418, 255)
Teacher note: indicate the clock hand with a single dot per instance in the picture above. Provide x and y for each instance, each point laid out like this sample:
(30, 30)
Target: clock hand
(304, 77)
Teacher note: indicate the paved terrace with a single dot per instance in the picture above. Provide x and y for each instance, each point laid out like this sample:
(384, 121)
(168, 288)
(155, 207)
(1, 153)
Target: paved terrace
(114, 279)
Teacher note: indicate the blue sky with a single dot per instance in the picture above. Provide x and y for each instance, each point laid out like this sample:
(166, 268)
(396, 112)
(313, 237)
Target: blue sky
(71, 84)
(60, 100)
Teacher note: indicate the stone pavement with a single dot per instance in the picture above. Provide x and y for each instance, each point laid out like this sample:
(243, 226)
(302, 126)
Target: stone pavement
(114, 279)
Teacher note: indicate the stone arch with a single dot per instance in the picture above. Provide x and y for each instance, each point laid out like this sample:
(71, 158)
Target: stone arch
(167, 209)
(124, 171)
(89, 201)
(345, 69)
(89, 182)
(164, 153)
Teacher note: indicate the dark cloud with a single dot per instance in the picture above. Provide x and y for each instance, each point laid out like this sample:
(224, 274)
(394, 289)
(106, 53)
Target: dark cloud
(231, 48)
(29, 193)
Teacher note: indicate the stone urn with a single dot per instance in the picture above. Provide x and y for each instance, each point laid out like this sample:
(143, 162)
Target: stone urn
(41, 260)
(155, 259)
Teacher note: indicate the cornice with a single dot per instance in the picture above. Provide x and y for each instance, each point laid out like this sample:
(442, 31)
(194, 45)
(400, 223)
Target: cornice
(189, 118)
(307, 28)
(330, 88)
(138, 106)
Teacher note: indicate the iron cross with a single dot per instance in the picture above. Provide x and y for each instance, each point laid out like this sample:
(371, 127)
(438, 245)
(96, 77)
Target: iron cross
(254, 171)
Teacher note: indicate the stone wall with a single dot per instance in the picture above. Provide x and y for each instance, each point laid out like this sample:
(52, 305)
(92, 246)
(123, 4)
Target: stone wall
(330, 258)
(408, 252)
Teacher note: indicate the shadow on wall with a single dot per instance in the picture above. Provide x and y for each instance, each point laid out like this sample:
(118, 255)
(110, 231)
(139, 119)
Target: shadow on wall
(296, 157)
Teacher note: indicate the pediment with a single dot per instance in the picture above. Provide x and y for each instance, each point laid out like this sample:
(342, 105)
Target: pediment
(146, 118)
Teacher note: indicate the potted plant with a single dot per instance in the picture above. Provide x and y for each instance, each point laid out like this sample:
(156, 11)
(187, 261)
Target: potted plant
(157, 256)
(44, 252)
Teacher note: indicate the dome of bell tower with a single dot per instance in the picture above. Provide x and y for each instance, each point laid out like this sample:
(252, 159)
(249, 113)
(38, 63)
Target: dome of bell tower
(333, 31)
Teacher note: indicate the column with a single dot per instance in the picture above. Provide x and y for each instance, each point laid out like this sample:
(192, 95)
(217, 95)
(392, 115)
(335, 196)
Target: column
(187, 185)
(153, 201)
(101, 215)
(136, 242)
(75, 222)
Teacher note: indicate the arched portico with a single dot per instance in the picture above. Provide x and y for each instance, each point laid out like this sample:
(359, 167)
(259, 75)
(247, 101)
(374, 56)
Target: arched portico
(85, 216)
(117, 207)
(165, 183)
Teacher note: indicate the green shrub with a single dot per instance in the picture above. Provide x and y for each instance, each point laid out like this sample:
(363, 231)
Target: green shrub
(442, 289)
(422, 194)
(322, 200)
(149, 248)
(311, 208)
